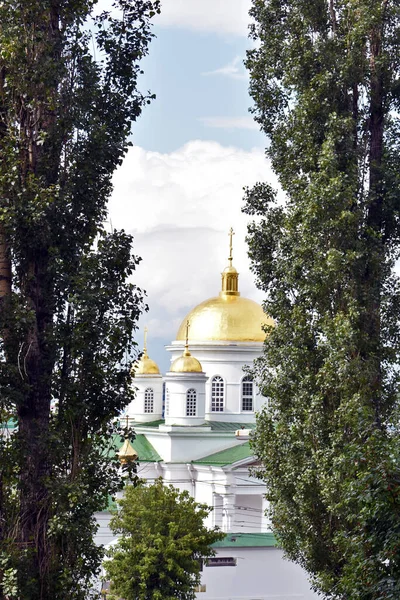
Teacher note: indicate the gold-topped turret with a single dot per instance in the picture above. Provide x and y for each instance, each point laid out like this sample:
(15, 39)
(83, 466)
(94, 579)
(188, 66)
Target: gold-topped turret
(127, 453)
(230, 277)
(228, 316)
(186, 363)
(146, 366)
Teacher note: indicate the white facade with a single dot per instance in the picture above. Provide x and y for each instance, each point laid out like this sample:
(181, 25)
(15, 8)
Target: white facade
(258, 574)
(202, 443)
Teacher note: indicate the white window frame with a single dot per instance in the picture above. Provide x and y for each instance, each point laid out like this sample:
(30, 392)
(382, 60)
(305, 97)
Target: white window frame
(217, 394)
(222, 561)
(191, 403)
(148, 400)
(245, 397)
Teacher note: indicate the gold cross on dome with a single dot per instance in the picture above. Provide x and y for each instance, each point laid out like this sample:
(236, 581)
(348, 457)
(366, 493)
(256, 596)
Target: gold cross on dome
(145, 340)
(231, 234)
(187, 332)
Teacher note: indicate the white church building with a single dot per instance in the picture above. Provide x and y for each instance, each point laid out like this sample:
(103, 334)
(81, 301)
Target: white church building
(193, 427)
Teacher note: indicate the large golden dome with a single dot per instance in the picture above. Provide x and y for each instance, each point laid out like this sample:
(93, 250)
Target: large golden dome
(227, 317)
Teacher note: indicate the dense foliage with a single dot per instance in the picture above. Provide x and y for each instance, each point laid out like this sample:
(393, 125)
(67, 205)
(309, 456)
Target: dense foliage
(324, 77)
(162, 543)
(68, 96)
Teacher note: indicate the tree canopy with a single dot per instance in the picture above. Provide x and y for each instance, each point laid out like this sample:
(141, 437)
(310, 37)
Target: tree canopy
(324, 77)
(68, 97)
(162, 542)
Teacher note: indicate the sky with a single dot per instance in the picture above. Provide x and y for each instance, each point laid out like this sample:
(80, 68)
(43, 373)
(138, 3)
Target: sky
(195, 147)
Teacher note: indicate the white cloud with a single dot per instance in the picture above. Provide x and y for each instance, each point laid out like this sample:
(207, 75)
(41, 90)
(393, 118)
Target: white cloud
(219, 16)
(230, 122)
(179, 207)
(235, 69)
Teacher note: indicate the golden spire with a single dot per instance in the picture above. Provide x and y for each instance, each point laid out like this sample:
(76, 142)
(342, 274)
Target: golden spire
(146, 366)
(230, 277)
(145, 355)
(231, 234)
(187, 353)
(186, 363)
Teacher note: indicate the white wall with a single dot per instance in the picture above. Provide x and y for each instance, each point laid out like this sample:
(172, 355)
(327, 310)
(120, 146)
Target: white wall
(135, 409)
(183, 444)
(260, 574)
(177, 386)
(248, 513)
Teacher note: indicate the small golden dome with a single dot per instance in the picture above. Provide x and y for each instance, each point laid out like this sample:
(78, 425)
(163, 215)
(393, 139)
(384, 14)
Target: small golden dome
(145, 366)
(186, 364)
(127, 453)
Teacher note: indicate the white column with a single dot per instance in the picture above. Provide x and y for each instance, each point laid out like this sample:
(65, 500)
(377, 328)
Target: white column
(228, 512)
(217, 510)
(265, 522)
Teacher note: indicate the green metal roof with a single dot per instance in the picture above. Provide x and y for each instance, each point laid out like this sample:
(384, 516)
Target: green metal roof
(115, 442)
(247, 540)
(150, 424)
(145, 451)
(226, 457)
(215, 425)
(223, 426)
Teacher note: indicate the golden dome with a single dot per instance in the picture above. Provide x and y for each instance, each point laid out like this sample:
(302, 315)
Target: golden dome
(229, 318)
(186, 363)
(145, 366)
(127, 453)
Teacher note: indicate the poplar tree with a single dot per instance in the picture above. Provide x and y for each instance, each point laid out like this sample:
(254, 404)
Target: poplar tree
(324, 77)
(68, 97)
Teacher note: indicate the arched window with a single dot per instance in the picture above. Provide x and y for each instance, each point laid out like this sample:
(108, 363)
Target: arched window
(166, 402)
(217, 394)
(191, 403)
(148, 400)
(247, 393)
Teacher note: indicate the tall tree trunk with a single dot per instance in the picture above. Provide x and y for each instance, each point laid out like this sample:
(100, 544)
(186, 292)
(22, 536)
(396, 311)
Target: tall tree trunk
(33, 427)
(5, 266)
(375, 260)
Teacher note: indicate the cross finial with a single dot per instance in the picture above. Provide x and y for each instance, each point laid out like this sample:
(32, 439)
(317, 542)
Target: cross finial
(145, 341)
(187, 333)
(231, 234)
(127, 421)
